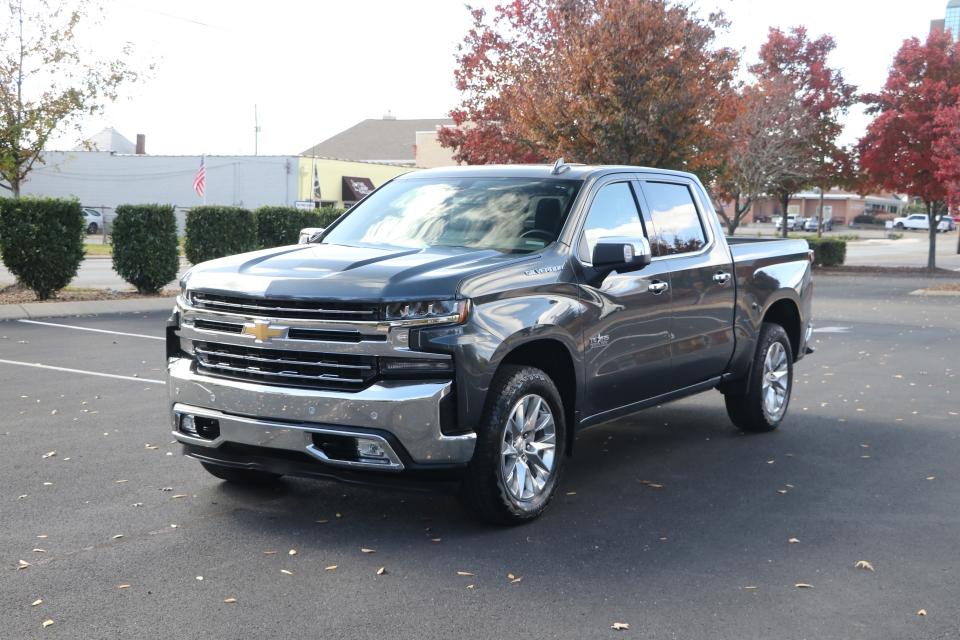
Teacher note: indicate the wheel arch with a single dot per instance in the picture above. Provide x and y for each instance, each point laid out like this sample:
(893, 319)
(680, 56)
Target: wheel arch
(786, 313)
(554, 358)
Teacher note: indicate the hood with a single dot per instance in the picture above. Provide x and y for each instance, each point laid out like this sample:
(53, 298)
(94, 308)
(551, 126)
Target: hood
(348, 273)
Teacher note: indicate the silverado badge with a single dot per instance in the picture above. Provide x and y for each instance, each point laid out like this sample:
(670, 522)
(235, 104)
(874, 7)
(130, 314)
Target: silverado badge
(262, 331)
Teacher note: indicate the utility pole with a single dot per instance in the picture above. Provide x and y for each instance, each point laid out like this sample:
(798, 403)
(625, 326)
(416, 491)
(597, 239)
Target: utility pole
(256, 130)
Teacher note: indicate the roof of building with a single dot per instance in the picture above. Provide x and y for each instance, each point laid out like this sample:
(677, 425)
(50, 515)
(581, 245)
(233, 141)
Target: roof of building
(377, 140)
(109, 139)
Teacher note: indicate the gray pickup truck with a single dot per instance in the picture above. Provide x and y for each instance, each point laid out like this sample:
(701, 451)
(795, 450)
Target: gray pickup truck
(458, 326)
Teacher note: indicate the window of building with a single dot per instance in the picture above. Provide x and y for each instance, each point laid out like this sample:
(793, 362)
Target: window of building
(677, 227)
(613, 212)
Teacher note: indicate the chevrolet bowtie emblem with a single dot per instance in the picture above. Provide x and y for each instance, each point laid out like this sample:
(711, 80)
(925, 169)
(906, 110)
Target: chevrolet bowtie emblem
(262, 331)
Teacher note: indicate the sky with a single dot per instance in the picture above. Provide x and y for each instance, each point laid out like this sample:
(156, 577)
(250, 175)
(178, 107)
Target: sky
(314, 68)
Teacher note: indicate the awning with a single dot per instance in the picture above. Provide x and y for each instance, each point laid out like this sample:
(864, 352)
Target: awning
(356, 188)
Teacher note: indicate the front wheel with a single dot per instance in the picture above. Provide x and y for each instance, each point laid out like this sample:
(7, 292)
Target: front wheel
(765, 402)
(92, 228)
(240, 476)
(520, 448)
(899, 225)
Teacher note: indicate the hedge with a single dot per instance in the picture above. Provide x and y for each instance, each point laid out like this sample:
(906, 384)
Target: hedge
(41, 240)
(279, 226)
(213, 232)
(828, 252)
(145, 251)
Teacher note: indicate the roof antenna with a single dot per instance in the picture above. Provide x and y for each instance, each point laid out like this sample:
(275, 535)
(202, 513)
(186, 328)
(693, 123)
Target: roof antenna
(558, 167)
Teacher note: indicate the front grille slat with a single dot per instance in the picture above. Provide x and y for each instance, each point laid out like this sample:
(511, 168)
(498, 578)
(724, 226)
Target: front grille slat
(283, 308)
(342, 372)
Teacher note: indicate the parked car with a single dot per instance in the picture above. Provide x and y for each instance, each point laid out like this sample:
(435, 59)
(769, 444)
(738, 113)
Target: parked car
(918, 221)
(93, 219)
(794, 222)
(460, 325)
(949, 220)
(811, 224)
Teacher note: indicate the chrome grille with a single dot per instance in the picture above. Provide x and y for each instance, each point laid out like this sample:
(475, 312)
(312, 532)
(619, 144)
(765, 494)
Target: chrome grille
(281, 308)
(344, 372)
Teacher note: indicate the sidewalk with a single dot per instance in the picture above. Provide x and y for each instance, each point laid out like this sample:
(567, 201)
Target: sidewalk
(29, 310)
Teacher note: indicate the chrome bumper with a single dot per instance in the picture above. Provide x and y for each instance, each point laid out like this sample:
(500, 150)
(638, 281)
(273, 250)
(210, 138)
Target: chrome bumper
(285, 418)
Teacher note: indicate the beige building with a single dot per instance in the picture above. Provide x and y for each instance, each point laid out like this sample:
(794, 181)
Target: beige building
(840, 206)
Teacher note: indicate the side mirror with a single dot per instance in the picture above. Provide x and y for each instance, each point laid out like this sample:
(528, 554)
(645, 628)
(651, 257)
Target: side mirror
(308, 234)
(621, 254)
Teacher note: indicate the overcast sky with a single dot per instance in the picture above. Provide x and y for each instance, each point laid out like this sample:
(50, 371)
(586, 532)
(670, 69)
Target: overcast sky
(314, 68)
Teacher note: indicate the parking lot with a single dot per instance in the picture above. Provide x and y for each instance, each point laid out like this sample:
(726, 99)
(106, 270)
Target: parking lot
(670, 521)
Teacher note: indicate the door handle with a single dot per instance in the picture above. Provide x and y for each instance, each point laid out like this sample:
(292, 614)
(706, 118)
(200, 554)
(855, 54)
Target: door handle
(656, 288)
(721, 277)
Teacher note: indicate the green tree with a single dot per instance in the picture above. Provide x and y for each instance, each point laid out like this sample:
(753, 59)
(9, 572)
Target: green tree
(48, 82)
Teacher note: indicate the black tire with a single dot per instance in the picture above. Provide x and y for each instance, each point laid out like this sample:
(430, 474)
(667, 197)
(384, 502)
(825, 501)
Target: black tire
(484, 489)
(241, 476)
(747, 410)
(92, 228)
(899, 225)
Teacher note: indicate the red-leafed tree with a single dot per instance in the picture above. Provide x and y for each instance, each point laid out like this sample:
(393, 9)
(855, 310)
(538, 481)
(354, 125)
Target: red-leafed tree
(601, 81)
(899, 151)
(823, 93)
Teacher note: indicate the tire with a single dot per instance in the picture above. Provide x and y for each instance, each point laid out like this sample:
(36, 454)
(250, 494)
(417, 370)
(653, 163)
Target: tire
(92, 228)
(899, 225)
(748, 411)
(241, 476)
(492, 487)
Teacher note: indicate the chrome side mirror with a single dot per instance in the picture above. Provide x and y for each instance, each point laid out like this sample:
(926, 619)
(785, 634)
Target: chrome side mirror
(308, 234)
(621, 254)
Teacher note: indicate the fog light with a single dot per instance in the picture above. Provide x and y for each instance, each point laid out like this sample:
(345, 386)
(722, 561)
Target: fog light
(188, 426)
(367, 448)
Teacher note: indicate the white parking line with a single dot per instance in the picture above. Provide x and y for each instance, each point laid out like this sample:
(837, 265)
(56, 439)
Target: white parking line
(71, 326)
(81, 371)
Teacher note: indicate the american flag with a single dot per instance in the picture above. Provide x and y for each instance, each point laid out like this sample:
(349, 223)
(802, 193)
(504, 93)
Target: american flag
(200, 180)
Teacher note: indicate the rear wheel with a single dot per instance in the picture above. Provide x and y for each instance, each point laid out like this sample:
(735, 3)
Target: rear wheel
(520, 448)
(241, 476)
(764, 404)
(92, 227)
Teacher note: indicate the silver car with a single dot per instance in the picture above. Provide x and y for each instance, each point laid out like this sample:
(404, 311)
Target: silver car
(811, 224)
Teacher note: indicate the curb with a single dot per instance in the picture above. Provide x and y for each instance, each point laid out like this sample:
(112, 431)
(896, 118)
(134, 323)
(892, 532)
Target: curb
(29, 310)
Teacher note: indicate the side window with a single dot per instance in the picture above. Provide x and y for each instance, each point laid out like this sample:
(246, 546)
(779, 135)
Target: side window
(676, 224)
(612, 213)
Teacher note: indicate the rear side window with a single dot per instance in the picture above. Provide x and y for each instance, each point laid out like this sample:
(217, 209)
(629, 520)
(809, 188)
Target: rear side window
(613, 212)
(676, 224)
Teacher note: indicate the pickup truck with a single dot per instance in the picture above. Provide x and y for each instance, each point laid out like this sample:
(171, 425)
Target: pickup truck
(919, 221)
(457, 328)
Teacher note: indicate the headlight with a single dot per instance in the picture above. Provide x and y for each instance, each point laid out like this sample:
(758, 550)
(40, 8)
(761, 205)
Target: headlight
(183, 284)
(431, 311)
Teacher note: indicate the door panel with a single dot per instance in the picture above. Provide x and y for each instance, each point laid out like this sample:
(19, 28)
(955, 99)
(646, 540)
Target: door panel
(626, 334)
(701, 278)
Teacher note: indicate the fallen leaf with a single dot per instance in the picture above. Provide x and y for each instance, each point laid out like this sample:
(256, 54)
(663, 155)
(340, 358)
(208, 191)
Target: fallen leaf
(435, 539)
(620, 626)
(200, 578)
(269, 553)
(23, 564)
(49, 454)
(150, 446)
(36, 602)
(516, 580)
(322, 521)
(43, 536)
(119, 481)
(230, 600)
(863, 564)
(803, 585)
(571, 493)
(47, 623)
(123, 586)
(750, 587)
(289, 573)
(510, 576)
(292, 552)
(782, 491)
(922, 612)
(381, 571)
(931, 477)
(118, 536)
(332, 567)
(470, 586)
(365, 550)
(459, 573)
(179, 495)
(793, 540)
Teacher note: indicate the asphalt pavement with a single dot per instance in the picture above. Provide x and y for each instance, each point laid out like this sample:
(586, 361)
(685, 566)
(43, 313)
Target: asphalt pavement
(670, 521)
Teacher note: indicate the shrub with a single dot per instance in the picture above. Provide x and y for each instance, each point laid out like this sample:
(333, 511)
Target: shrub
(41, 240)
(865, 218)
(326, 216)
(278, 226)
(828, 252)
(213, 232)
(145, 251)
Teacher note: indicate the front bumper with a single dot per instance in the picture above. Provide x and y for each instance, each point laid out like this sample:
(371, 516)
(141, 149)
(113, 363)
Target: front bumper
(403, 417)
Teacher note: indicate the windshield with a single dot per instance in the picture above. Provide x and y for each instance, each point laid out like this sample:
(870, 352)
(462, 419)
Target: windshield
(506, 214)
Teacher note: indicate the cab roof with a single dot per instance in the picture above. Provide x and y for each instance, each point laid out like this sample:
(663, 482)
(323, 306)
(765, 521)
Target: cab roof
(545, 171)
